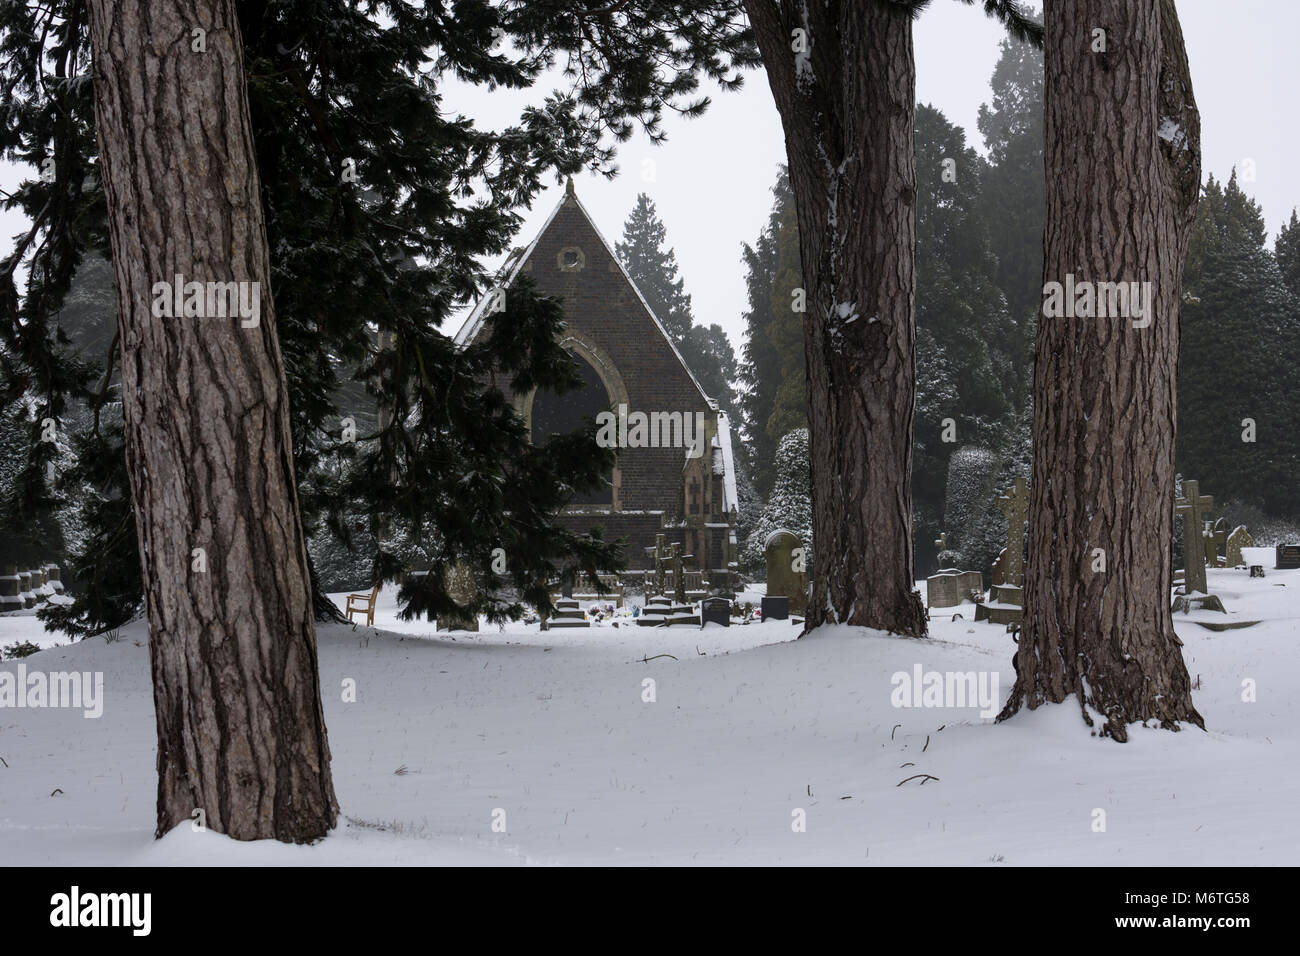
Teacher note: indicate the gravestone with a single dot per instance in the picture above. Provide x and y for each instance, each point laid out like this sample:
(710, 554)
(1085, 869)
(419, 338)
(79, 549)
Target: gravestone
(1192, 506)
(568, 613)
(776, 608)
(787, 575)
(661, 610)
(715, 610)
(11, 598)
(949, 587)
(942, 590)
(1014, 503)
(1006, 602)
(1240, 538)
(1288, 556)
(458, 579)
(53, 574)
(25, 588)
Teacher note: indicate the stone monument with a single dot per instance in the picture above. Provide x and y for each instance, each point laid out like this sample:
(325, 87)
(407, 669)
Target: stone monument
(1193, 507)
(787, 574)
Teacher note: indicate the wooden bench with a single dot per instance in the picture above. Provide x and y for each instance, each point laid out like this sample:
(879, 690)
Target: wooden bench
(363, 604)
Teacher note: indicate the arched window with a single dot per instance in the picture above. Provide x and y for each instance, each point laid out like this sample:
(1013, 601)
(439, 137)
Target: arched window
(554, 414)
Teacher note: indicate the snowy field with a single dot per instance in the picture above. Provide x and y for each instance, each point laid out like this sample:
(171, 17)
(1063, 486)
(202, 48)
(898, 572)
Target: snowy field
(550, 734)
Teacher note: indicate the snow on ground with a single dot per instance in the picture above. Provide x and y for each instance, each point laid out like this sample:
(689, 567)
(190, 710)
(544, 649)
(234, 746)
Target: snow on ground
(748, 727)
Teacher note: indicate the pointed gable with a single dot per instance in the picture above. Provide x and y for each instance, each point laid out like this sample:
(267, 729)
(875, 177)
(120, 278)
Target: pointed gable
(630, 361)
(571, 259)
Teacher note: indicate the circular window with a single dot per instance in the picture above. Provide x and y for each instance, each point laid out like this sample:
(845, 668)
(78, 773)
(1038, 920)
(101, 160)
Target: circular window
(571, 259)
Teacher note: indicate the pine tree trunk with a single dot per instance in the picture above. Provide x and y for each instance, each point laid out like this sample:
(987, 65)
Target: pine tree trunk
(241, 733)
(847, 108)
(1123, 172)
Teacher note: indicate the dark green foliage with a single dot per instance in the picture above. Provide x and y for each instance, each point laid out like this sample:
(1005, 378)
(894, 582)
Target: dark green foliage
(967, 344)
(1240, 349)
(12, 652)
(1287, 251)
(762, 361)
(785, 333)
(380, 204)
(1013, 200)
(706, 350)
(788, 507)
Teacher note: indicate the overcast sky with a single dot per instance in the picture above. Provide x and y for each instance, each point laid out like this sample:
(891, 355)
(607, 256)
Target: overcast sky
(711, 181)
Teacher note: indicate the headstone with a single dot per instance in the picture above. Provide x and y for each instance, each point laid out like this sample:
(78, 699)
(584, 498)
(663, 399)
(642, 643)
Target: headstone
(662, 610)
(458, 579)
(1193, 506)
(40, 586)
(943, 589)
(715, 610)
(25, 588)
(1288, 556)
(787, 574)
(995, 576)
(968, 585)
(55, 578)
(1240, 538)
(568, 613)
(776, 608)
(941, 542)
(1015, 505)
(11, 598)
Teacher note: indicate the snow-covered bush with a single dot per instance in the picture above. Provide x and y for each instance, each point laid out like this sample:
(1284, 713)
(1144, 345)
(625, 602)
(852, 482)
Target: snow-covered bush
(789, 506)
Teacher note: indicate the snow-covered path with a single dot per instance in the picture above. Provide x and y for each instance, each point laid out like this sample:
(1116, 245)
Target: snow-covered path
(747, 727)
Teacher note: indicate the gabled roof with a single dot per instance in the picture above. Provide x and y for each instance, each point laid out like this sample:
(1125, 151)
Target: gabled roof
(515, 262)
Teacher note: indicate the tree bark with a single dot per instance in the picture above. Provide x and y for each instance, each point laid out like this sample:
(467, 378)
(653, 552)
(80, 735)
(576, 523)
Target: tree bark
(847, 108)
(1123, 175)
(241, 733)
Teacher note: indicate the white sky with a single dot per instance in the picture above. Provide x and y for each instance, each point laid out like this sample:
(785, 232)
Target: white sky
(711, 181)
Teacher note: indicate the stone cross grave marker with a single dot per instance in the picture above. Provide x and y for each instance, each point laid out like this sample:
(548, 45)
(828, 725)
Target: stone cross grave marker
(679, 574)
(1015, 505)
(661, 562)
(1192, 506)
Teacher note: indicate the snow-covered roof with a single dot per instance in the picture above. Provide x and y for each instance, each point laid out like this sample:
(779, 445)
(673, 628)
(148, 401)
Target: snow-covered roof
(475, 321)
(730, 502)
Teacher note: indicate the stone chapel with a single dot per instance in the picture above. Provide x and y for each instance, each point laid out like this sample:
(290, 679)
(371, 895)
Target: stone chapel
(629, 364)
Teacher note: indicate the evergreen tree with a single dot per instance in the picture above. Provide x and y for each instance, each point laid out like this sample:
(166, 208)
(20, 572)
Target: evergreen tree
(1287, 252)
(1013, 195)
(763, 361)
(653, 268)
(379, 206)
(1239, 349)
(785, 331)
(789, 506)
(966, 342)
